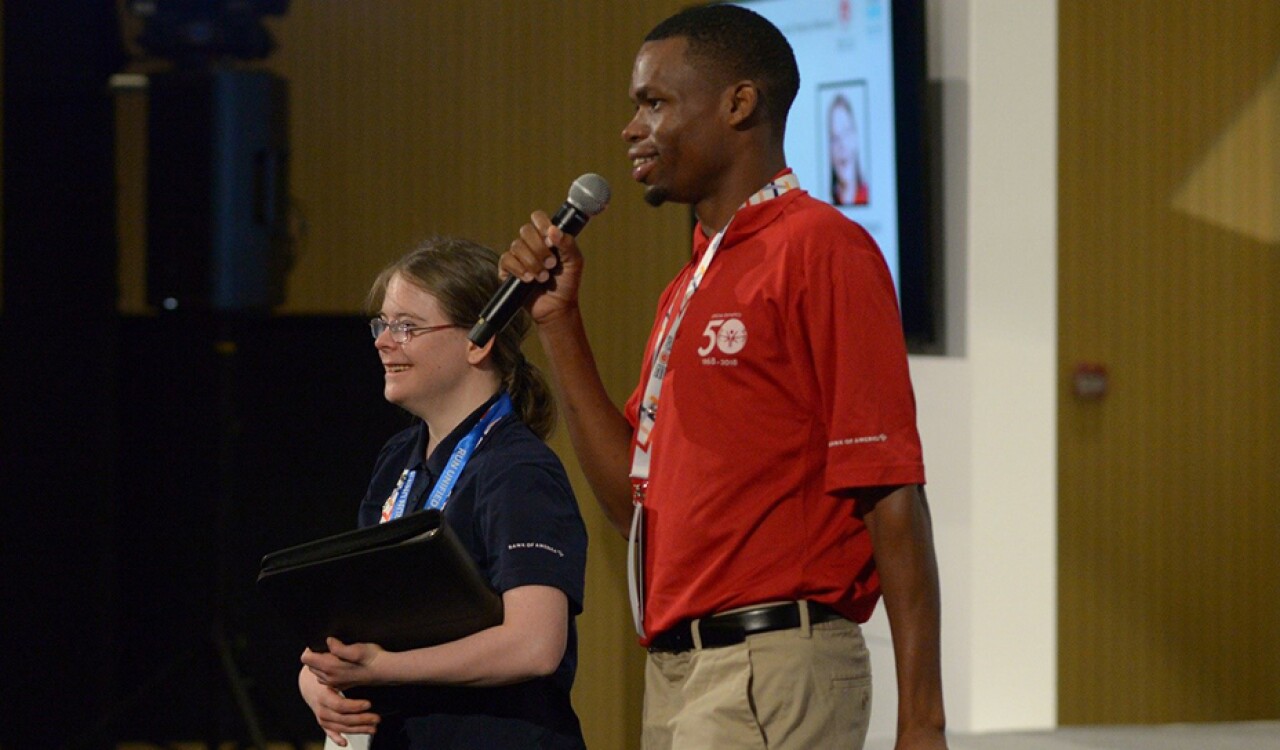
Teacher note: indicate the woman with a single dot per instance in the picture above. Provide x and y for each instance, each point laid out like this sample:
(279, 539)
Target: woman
(848, 188)
(488, 410)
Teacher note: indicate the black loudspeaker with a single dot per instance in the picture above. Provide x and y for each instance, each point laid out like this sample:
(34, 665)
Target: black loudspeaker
(217, 187)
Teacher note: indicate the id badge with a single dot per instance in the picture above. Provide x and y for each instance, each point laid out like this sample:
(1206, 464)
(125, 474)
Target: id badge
(635, 567)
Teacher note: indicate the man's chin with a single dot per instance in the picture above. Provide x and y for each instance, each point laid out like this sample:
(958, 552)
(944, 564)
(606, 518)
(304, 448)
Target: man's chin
(655, 196)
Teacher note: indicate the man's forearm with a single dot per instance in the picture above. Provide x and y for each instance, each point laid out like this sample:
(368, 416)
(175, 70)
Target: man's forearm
(903, 541)
(600, 434)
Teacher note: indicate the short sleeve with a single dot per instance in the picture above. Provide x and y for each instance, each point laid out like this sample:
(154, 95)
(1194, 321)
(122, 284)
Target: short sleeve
(855, 338)
(535, 533)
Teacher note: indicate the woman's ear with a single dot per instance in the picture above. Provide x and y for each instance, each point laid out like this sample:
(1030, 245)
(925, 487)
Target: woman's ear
(478, 354)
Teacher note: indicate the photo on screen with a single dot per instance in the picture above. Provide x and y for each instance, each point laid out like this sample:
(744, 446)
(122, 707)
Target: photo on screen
(846, 143)
(870, 54)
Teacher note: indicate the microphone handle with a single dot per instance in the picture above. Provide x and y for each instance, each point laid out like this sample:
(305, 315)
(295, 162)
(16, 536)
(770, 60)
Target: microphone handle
(511, 296)
(570, 219)
(513, 293)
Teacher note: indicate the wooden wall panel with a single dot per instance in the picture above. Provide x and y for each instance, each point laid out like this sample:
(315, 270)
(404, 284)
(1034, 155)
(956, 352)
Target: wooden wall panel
(1169, 526)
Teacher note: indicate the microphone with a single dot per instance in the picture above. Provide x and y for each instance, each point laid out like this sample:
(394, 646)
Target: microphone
(588, 196)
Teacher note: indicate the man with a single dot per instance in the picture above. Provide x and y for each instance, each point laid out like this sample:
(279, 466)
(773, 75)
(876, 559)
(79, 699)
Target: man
(771, 445)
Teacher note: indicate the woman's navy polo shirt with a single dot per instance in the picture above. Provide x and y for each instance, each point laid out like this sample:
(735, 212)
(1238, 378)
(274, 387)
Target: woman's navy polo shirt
(514, 510)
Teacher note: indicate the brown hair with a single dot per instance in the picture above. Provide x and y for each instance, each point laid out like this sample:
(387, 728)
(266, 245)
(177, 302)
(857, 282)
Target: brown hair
(462, 275)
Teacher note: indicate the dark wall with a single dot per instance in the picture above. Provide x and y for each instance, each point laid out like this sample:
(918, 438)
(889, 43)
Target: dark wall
(146, 464)
(58, 338)
(239, 436)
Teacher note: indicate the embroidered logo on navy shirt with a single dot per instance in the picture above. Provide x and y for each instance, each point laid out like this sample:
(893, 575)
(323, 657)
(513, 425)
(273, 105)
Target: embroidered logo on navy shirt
(535, 545)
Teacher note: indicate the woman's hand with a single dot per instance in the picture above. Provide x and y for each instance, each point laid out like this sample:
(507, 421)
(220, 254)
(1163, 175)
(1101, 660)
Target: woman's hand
(346, 665)
(335, 713)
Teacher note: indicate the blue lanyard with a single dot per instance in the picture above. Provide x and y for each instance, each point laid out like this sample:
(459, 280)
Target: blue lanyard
(461, 454)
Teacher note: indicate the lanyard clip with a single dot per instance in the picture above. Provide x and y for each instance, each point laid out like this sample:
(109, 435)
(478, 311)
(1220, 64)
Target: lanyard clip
(638, 490)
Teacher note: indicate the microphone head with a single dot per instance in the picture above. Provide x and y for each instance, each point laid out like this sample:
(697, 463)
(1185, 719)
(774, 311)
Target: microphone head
(589, 194)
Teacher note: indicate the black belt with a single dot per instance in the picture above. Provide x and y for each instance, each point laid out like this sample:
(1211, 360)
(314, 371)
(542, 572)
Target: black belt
(734, 627)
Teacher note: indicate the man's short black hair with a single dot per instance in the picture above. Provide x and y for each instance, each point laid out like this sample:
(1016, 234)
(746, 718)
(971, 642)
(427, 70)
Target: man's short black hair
(740, 43)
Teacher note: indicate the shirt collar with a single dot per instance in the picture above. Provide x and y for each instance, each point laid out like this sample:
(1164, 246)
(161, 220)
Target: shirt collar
(440, 456)
(759, 210)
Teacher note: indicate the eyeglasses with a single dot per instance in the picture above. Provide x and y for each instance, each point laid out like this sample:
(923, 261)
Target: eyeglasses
(402, 331)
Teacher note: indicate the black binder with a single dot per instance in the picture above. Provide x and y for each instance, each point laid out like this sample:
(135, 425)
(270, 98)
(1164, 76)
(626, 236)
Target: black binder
(403, 584)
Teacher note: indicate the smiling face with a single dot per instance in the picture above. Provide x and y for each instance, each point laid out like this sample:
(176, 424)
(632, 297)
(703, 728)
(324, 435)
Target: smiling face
(423, 374)
(843, 140)
(678, 136)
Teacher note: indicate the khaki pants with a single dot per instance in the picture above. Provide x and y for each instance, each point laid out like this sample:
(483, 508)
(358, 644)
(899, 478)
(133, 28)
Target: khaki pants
(807, 688)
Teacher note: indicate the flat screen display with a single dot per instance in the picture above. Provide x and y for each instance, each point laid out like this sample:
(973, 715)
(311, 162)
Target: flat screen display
(855, 135)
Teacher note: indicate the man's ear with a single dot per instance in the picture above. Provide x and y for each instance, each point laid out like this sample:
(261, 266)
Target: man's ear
(743, 102)
(478, 354)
